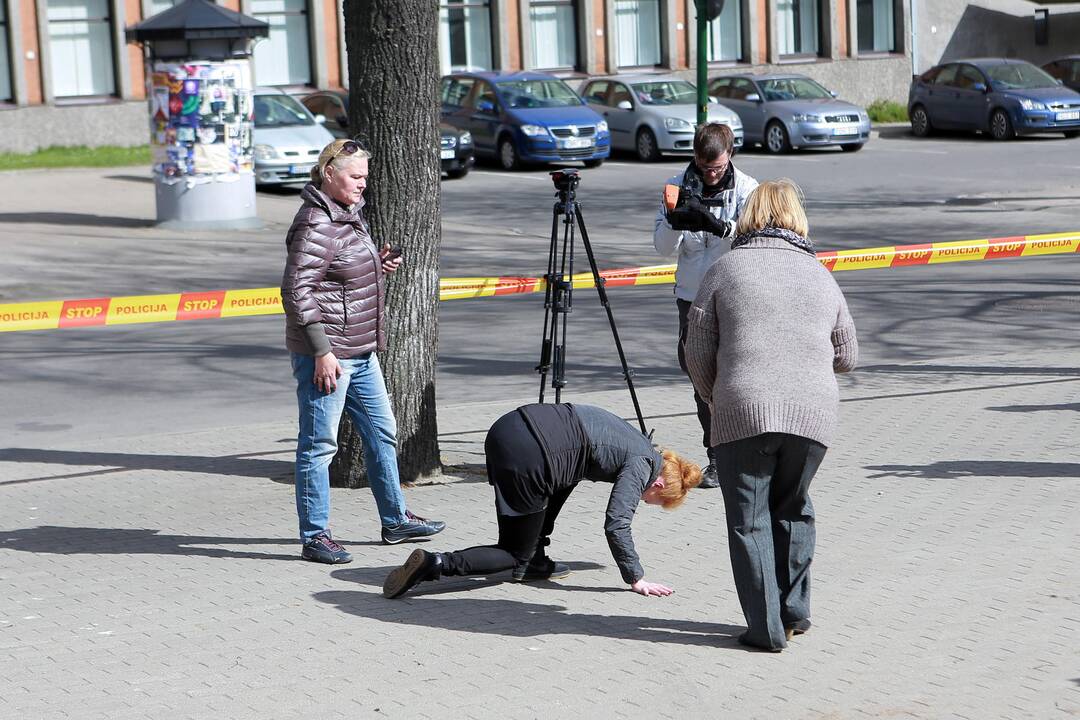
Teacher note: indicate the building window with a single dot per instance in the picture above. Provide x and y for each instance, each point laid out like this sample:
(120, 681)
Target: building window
(637, 32)
(877, 26)
(5, 56)
(284, 58)
(159, 6)
(725, 34)
(554, 34)
(465, 36)
(80, 48)
(798, 27)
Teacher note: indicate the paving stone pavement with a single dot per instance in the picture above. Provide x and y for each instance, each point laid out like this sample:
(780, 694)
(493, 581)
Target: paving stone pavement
(158, 576)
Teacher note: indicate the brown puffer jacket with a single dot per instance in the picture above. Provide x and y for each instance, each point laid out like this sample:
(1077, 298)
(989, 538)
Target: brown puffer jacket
(333, 286)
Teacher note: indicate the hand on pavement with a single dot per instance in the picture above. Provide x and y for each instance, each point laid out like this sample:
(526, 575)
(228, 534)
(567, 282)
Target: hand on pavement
(650, 588)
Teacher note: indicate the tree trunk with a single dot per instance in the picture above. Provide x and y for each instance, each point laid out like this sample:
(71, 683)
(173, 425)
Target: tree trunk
(394, 112)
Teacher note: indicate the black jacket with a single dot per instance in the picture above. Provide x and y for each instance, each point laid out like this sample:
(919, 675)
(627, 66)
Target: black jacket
(583, 442)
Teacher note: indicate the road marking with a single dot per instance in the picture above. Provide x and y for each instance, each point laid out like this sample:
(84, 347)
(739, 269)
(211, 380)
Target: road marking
(906, 150)
(511, 175)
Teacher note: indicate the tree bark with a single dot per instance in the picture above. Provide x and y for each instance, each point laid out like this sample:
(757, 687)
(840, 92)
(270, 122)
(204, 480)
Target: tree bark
(394, 111)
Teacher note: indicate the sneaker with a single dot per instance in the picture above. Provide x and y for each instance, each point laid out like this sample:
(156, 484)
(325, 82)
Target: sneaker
(709, 478)
(796, 627)
(420, 565)
(324, 549)
(413, 528)
(545, 569)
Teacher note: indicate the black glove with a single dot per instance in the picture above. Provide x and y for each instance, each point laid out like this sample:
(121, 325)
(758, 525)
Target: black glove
(709, 222)
(682, 218)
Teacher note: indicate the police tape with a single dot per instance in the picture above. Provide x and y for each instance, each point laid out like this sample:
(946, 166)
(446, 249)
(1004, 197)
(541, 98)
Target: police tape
(49, 315)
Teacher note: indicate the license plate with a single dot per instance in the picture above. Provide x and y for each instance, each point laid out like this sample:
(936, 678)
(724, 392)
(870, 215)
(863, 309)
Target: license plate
(447, 154)
(845, 130)
(1074, 115)
(576, 143)
(300, 169)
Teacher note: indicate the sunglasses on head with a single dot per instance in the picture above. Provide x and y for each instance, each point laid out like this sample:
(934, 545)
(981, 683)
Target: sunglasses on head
(349, 147)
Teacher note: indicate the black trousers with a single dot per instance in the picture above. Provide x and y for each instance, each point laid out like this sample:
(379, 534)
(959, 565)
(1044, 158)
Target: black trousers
(521, 537)
(703, 415)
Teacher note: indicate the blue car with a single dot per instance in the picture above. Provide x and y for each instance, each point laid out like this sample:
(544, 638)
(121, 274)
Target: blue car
(1003, 97)
(524, 118)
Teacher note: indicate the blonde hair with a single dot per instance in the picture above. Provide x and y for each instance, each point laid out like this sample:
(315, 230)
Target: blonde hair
(331, 155)
(774, 203)
(680, 477)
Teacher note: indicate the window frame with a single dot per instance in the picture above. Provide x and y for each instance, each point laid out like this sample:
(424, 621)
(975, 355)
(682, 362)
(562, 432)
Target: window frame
(107, 21)
(741, 58)
(7, 58)
(307, 14)
(898, 23)
(575, 11)
(820, 29)
(490, 27)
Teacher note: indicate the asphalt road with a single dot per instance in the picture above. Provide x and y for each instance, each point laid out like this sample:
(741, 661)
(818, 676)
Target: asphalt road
(89, 233)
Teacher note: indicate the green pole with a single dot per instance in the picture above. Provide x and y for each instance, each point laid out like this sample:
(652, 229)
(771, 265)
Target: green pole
(702, 63)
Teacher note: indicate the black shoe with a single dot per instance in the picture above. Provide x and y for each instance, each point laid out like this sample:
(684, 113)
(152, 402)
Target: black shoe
(709, 477)
(744, 639)
(544, 569)
(414, 527)
(796, 627)
(324, 549)
(421, 565)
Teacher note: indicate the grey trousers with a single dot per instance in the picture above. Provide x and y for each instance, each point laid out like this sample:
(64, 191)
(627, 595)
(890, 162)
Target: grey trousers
(765, 481)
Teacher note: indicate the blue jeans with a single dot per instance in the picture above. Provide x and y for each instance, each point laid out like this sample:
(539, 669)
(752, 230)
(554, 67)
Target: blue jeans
(766, 483)
(362, 392)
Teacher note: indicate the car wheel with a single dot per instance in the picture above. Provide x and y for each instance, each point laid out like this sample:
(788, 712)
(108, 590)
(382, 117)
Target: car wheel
(852, 147)
(776, 138)
(594, 163)
(457, 174)
(1072, 133)
(645, 144)
(920, 122)
(1001, 127)
(508, 154)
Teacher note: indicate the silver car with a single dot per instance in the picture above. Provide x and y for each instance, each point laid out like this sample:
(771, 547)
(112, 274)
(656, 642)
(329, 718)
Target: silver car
(653, 115)
(791, 111)
(287, 138)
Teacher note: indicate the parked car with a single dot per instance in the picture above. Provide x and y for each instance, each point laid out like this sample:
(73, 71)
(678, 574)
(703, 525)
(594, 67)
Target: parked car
(791, 111)
(996, 95)
(455, 146)
(653, 115)
(1067, 70)
(524, 117)
(286, 137)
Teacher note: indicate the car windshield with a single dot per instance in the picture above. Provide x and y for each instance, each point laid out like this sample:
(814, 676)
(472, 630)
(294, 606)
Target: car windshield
(1018, 76)
(671, 92)
(280, 111)
(793, 89)
(537, 94)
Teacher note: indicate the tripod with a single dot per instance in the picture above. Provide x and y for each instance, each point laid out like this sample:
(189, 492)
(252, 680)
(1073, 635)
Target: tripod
(559, 294)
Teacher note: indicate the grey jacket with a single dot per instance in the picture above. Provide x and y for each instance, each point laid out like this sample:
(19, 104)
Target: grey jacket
(333, 286)
(614, 452)
(698, 250)
(767, 332)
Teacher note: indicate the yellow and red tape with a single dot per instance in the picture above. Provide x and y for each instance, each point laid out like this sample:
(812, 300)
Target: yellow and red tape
(86, 312)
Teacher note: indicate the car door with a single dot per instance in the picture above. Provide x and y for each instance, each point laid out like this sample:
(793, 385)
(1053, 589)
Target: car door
(970, 105)
(596, 95)
(484, 112)
(455, 94)
(622, 122)
(940, 97)
(337, 117)
(751, 112)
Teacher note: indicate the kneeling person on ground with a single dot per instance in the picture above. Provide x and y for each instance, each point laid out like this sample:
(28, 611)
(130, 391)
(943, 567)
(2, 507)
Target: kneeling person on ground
(536, 455)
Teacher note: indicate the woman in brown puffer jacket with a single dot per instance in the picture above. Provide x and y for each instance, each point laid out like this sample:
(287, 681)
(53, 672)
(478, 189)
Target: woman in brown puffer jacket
(333, 291)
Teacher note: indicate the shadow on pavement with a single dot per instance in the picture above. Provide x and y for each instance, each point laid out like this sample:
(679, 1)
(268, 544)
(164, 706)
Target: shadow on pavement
(55, 540)
(65, 218)
(1035, 408)
(246, 465)
(512, 618)
(958, 469)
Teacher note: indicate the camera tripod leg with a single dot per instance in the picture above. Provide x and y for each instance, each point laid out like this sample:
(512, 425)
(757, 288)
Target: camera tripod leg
(547, 339)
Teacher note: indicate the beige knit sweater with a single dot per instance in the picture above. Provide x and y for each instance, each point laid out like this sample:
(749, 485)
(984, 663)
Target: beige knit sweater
(768, 330)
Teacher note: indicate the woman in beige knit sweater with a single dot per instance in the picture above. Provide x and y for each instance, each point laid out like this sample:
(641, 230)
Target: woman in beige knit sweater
(768, 331)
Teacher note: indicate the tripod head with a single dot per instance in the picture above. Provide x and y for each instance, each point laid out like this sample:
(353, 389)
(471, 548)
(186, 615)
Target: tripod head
(566, 182)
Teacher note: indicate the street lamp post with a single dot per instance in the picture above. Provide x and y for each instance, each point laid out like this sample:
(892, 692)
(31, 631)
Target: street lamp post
(707, 10)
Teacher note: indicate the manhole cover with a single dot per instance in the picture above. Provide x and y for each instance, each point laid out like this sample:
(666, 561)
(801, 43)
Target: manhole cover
(1056, 303)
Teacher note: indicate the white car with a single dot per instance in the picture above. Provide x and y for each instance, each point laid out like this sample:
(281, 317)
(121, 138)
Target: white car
(653, 115)
(287, 138)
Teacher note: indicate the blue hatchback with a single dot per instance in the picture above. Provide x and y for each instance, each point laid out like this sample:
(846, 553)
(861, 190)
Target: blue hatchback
(996, 95)
(524, 117)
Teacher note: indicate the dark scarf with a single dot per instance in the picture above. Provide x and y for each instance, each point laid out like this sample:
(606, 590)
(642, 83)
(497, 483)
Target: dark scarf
(693, 183)
(794, 238)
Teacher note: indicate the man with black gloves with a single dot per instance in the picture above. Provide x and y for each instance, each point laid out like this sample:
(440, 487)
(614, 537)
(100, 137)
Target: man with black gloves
(700, 228)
